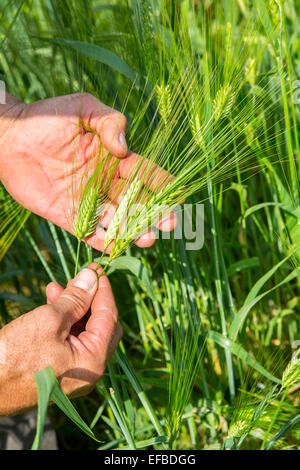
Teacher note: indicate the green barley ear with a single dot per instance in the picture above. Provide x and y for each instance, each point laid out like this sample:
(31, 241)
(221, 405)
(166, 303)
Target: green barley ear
(137, 224)
(250, 70)
(127, 200)
(197, 131)
(274, 9)
(238, 428)
(157, 206)
(249, 131)
(91, 196)
(145, 35)
(228, 50)
(291, 374)
(223, 102)
(88, 213)
(163, 97)
(242, 417)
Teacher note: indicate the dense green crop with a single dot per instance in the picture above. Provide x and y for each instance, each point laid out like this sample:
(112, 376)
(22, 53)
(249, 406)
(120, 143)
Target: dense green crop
(209, 89)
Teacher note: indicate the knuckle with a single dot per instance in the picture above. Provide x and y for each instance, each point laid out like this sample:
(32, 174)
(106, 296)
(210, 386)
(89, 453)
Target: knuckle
(114, 316)
(120, 119)
(85, 94)
(46, 319)
(42, 312)
(75, 301)
(123, 119)
(109, 311)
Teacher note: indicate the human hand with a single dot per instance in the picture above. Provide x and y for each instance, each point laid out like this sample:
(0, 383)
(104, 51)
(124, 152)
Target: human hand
(37, 163)
(76, 334)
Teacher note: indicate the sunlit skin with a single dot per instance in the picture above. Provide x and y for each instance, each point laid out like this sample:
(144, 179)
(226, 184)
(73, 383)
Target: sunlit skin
(44, 144)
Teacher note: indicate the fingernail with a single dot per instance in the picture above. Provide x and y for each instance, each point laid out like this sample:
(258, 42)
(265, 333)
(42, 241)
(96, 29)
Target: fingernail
(85, 280)
(122, 140)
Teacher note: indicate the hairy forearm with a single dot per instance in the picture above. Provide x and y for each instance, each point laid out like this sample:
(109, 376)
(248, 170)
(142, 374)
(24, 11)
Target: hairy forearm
(17, 393)
(17, 388)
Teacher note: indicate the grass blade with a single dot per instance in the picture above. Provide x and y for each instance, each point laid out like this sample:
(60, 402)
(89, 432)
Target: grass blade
(97, 53)
(48, 387)
(240, 352)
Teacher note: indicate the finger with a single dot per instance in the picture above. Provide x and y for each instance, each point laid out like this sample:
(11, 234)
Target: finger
(115, 341)
(96, 240)
(79, 326)
(77, 298)
(108, 214)
(53, 291)
(146, 240)
(167, 223)
(152, 174)
(116, 189)
(110, 125)
(95, 266)
(87, 153)
(116, 192)
(102, 324)
(86, 146)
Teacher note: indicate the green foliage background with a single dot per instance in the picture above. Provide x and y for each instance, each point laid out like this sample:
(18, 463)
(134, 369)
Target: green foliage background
(207, 334)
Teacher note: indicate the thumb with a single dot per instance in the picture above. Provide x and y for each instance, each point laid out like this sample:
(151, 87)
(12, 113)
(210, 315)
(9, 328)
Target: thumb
(111, 127)
(76, 299)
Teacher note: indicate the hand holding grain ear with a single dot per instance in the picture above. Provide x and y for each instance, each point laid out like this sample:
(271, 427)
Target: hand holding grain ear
(38, 142)
(76, 333)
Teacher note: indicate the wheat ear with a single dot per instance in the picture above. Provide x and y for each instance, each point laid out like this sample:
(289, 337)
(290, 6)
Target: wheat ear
(88, 213)
(291, 374)
(127, 200)
(223, 102)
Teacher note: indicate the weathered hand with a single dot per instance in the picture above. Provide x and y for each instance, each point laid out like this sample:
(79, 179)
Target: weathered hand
(37, 148)
(76, 334)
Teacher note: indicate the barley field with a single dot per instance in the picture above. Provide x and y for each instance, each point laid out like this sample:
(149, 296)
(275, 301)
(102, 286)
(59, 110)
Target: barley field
(209, 357)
